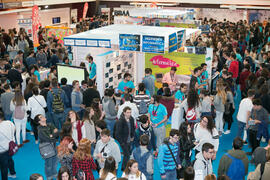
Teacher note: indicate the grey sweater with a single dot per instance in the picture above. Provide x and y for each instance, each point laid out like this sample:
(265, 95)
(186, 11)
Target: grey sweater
(109, 108)
(219, 104)
(5, 102)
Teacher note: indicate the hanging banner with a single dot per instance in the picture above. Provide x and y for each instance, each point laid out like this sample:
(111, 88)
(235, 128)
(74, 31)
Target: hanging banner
(35, 25)
(180, 39)
(129, 42)
(172, 42)
(85, 9)
(153, 44)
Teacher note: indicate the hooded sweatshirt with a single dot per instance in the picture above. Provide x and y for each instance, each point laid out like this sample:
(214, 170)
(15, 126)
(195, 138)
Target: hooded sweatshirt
(109, 108)
(225, 161)
(202, 167)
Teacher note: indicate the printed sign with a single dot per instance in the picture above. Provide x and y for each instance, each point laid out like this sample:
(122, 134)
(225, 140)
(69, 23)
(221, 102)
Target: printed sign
(172, 42)
(153, 44)
(129, 42)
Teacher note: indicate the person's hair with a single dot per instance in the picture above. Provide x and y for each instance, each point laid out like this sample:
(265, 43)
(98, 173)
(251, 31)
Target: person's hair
(238, 143)
(74, 82)
(29, 88)
(167, 92)
(247, 66)
(267, 155)
(90, 83)
(193, 98)
(147, 71)
(47, 83)
(221, 91)
(210, 125)
(183, 130)
(89, 57)
(63, 81)
(63, 149)
(143, 119)
(54, 82)
(76, 115)
(127, 75)
(109, 92)
(6, 87)
(157, 98)
(105, 132)
(264, 89)
(37, 118)
(251, 92)
(83, 82)
(173, 69)
(63, 170)
(203, 64)
(129, 165)
(174, 132)
(207, 146)
(144, 140)
(83, 150)
(126, 108)
(257, 102)
(233, 55)
(35, 90)
(182, 85)
(223, 177)
(109, 167)
(205, 92)
(165, 85)
(127, 97)
(101, 124)
(141, 87)
(18, 98)
(86, 115)
(189, 173)
(210, 177)
(53, 51)
(35, 176)
(66, 130)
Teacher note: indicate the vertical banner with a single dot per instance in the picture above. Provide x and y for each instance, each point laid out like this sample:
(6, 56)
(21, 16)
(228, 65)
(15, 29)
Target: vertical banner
(35, 25)
(85, 9)
(180, 39)
(172, 42)
(129, 42)
(153, 44)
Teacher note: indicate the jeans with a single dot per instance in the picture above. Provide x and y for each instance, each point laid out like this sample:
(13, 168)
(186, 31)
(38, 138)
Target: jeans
(8, 116)
(20, 125)
(219, 121)
(241, 127)
(252, 137)
(110, 125)
(160, 134)
(6, 163)
(51, 167)
(126, 153)
(170, 175)
(58, 119)
(49, 117)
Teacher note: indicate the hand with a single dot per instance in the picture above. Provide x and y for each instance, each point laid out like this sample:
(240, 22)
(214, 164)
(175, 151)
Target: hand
(93, 141)
(132, 139)
(179, 166)
(82, 106)
(257, 121)
(70, 145)
(154, 125)
(163, 177)
(196, 143)
(55, 130)
(99, 155)
(102, 160)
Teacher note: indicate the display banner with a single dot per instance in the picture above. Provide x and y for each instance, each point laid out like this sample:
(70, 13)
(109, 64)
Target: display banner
(85, 9)
(129, 42)
(59, 32)
(153, 44)
(172, 42)
(180, 39)
(35, 24)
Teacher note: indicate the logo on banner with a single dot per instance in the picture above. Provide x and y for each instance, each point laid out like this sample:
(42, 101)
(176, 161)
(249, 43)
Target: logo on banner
(163, 62)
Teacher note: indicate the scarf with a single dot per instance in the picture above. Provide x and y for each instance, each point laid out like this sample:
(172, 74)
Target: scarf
(79, 130)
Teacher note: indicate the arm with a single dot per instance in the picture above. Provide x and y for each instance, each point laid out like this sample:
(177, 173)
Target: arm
(164, 119)
(116, 154)
(160, 160)
(12, 106)
(149, 163)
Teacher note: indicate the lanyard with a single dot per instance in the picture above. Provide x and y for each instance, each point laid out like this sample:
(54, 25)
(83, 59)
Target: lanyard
(155, 111)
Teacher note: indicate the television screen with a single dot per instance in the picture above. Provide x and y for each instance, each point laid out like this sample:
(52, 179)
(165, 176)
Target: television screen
(56, 20)
(70, 72)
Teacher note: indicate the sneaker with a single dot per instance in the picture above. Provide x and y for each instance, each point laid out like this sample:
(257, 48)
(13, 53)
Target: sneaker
(227, 132)
(26, 141)
(12, 175)
(20, 145)
(36, 141)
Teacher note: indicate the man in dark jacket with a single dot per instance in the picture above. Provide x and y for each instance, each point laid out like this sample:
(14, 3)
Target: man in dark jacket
(15, 75)
(124, 133)
(89, 94)
(237, 153)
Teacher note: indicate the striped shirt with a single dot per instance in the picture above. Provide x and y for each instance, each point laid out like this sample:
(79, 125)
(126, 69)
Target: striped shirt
(138, 98)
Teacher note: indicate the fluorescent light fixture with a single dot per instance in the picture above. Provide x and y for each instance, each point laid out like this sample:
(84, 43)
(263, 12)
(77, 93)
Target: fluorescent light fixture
(233, 7)
(46, 7)
(158, 4)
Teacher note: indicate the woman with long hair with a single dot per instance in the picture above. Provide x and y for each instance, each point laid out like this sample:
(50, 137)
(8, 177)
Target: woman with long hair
(229, 108)
(66, 130)
(89, 124)
(65, 152)
(78, 128)
(186, 143)
(83, 160)
(132, 171)
(219, 102)
(204, 132)
(12, 49)
(97, 107)
(28, 90)
(77, 97)
(19, 108)
(109, 170)
(64, 174)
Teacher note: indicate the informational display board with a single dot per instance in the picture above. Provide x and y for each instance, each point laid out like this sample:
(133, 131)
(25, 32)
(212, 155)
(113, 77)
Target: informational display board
(172, 42)
(129, 42)
(70, 72)
(153, 44)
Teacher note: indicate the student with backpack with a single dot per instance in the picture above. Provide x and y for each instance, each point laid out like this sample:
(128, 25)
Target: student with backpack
(142, 100)
(234, 163)
(19, 108)
(144, 157)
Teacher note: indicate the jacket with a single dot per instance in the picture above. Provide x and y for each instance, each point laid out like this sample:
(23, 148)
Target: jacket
(109, 108)
(255, 175)
(202, 167)
(148, 131)
(121, 130)
(186, 145)
(50, 98)
(225, 161)
(168, 102)
(149, 161)
(234, 68)
(88, 96)
(46, 133)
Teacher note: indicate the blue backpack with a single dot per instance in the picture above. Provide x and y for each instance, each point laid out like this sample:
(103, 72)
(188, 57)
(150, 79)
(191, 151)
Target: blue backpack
(236, 170)
(142, 160)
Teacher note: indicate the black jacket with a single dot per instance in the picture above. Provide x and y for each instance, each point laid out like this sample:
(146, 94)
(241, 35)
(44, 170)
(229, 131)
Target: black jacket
(186, 144)
(88, 96)
(14, 75)
(121, 130)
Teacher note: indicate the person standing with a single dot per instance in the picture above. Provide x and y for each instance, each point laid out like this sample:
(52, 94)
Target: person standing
(149, 81)
(124, 133)
(14, 75)
(7, 130)
(171, 78)
(126, 84)
(157, 113)
(89, 94)
(92, 68)
(47, 133)
(5, 101)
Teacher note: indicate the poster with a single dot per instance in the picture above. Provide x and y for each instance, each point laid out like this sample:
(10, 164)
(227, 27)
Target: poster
(35, 24)
(59, 32)
(180, 39)
(27, 25)
(153, 44)
(178, 25)
(129, 42)
(172, 42)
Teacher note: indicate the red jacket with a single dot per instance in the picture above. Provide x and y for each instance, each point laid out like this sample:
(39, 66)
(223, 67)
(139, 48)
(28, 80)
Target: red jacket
(242, 79)
(234, 68)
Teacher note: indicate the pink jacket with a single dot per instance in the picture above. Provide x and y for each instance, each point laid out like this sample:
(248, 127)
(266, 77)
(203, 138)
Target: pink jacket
(167, 79)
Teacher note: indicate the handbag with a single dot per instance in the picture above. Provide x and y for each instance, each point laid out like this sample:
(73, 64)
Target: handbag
(12, 146)
(179, 172)
(47, 150)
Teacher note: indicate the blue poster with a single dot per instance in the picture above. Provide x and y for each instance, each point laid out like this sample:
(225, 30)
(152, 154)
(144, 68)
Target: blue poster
(180, 38)
(172, 42)
(129, 42)
(153, 44)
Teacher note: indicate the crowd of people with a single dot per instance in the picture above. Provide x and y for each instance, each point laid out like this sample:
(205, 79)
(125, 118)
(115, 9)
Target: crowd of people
(84, 132)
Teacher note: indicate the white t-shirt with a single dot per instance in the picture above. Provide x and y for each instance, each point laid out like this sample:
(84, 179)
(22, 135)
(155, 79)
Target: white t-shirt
(133, 177)
(7, 130)
(110, 176)
(245, 106)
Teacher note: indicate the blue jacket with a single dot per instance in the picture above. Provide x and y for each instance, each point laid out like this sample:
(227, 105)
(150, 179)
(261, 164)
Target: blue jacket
(165, 159)
(50, 98)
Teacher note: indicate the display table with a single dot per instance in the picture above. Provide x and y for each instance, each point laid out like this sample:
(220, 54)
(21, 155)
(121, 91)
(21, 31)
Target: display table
(177, 116)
